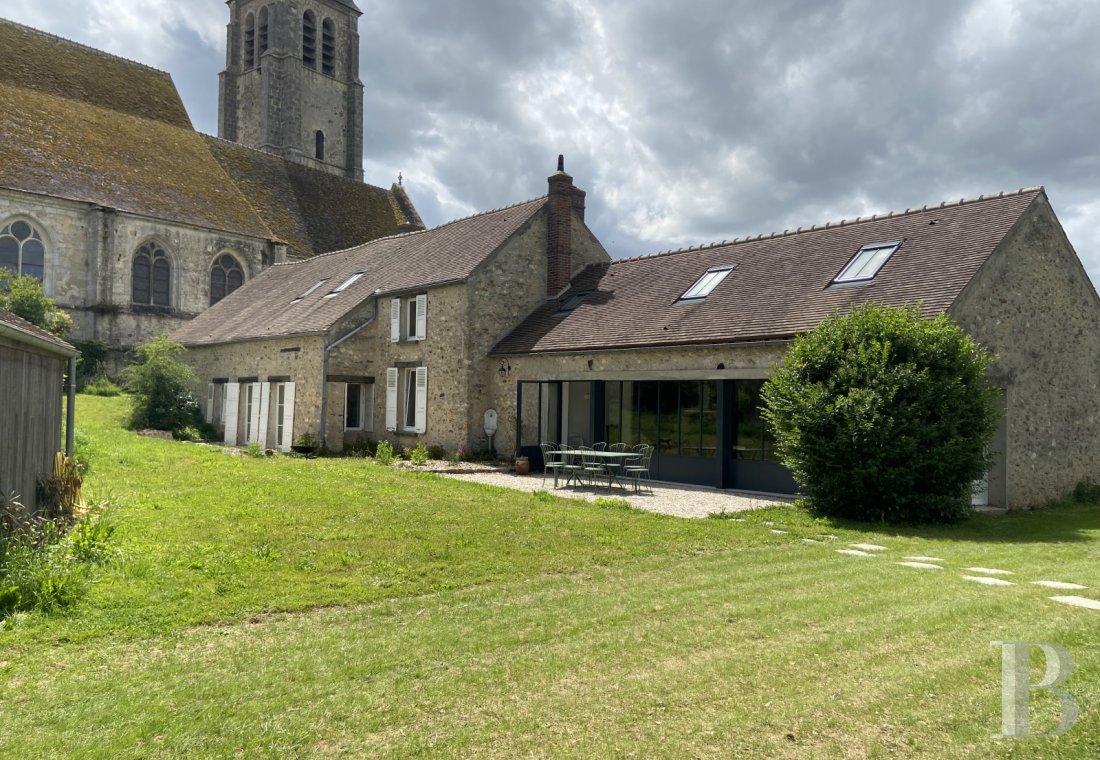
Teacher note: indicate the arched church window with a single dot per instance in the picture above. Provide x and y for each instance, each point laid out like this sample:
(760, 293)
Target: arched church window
(22, 251)
(249, 41)
(152, 275)
(262, 31)
(225, 276)
(328, 48)
(309, 40)
(320, 145)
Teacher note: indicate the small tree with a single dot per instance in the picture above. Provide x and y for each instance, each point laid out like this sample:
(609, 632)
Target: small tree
(25, 298)
(882, 415)
(159, 382)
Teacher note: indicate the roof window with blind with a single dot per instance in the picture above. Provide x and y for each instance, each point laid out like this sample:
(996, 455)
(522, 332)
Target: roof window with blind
(710, 280)
(310, 290)
(867, 262)
(345, 284)
(573, 302)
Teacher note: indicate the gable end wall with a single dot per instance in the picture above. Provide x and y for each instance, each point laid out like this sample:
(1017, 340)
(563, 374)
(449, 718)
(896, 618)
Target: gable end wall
(1033, 305)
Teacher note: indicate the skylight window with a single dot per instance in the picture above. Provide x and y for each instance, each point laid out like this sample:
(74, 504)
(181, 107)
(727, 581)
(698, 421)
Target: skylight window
(345, 284)
(573, 302)
(705, 284)
(311, 289)
(865, 265)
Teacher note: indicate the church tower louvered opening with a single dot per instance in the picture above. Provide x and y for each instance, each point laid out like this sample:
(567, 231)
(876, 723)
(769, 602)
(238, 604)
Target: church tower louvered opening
(292, 74)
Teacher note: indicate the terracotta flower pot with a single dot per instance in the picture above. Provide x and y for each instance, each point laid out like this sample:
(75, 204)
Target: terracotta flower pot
(523, 465)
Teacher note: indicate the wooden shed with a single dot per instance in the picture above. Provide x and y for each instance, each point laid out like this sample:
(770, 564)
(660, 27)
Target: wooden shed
(33, 364)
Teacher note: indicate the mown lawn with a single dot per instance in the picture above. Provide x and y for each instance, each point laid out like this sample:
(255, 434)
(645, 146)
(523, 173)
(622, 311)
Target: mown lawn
(334, 608)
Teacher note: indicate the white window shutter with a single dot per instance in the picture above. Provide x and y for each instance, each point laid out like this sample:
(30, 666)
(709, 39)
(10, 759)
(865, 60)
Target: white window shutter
(265, 414)
(254, 426)
(395, 320)
(421, 316)
(288, 417)
(232, 405)
(421, 399)
(210, 403)
(391, 399)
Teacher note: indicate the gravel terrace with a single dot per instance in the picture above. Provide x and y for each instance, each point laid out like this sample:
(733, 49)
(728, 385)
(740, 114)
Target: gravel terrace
(666, 498)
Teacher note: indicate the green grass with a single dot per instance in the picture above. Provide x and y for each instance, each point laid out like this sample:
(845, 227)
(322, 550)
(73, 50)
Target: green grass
(312, 608)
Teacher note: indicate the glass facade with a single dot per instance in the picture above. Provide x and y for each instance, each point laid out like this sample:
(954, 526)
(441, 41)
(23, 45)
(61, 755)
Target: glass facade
(679, 418)
(754, 438)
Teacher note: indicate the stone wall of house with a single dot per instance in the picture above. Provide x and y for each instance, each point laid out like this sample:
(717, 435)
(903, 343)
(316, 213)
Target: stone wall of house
(298, 359)
(443, 351)
(89, 254)
(1032, 304)
(504, 291)
(749, 361)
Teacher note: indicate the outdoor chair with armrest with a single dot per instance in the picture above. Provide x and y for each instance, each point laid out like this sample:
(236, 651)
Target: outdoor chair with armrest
(552, 460)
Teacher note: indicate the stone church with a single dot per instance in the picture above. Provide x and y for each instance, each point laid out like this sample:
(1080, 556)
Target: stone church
(135, 222)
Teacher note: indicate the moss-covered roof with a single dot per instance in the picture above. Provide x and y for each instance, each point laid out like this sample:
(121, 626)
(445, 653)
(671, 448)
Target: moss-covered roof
(38, 61)
(71, 149)
(311, 210)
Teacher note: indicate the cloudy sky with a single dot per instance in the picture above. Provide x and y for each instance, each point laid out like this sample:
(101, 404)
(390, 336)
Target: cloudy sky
(692, 121)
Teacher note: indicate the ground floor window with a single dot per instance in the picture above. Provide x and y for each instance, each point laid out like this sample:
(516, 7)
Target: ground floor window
(359, 406)
(407, 399)
(678, 417)
(754, 436)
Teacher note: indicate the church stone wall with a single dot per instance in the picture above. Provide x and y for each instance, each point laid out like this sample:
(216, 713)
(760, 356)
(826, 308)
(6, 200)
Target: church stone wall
(89, 255)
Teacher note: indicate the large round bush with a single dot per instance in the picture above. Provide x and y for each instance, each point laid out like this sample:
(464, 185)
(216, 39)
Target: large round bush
(159, 382)
(882, 415)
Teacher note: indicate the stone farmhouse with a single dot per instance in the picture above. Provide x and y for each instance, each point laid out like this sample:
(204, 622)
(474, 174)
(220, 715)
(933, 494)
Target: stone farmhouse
(516, 311)
(302, 347)
(134, 221)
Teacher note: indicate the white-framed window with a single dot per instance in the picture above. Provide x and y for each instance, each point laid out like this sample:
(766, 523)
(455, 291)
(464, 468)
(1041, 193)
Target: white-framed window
(867, 262)
(410, 322)
(709, 280)
(359, 406)
(407, 399)
(280, 426)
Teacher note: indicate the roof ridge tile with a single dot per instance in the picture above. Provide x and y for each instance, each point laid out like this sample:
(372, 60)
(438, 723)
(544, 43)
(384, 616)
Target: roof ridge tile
(830, 225)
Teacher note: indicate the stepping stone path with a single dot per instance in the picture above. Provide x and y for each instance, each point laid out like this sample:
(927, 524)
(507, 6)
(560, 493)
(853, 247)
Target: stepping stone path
(811, 541)
(988, 571)
(1078, 601)
(854, 553)
(920, 565)
(987, 581)
(868, 547)
(1060, 585)
(782, 532)
(924, 559)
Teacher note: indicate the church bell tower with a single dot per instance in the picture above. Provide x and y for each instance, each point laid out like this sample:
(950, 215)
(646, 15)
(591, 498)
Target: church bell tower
(291, 82)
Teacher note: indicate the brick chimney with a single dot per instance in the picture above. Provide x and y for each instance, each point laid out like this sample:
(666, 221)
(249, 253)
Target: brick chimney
(564, 200)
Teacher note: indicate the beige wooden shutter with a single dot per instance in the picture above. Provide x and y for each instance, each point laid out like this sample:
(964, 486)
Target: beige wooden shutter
(421, 316)
(391, 399)
(288, 417)
(395, 320)
(421, 399)
(265, 414)
(254, 426)
(232, 405)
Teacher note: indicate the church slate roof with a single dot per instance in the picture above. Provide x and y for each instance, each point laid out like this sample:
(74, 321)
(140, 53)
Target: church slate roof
(87, 126)
(781, 284)
(311, 210)
(266, 306)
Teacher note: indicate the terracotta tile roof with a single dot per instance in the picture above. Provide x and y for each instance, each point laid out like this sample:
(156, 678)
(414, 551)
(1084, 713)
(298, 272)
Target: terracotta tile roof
(11, 323)
(781, 284)
(265, 307)
(311, 210)
(114, 134)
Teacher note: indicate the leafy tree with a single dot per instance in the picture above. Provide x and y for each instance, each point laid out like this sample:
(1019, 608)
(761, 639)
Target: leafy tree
(882, 415)
(24, 297)
(159, 382)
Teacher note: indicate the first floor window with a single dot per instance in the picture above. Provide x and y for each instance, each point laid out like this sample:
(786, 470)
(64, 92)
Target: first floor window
(22, 251)
(152, 275)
